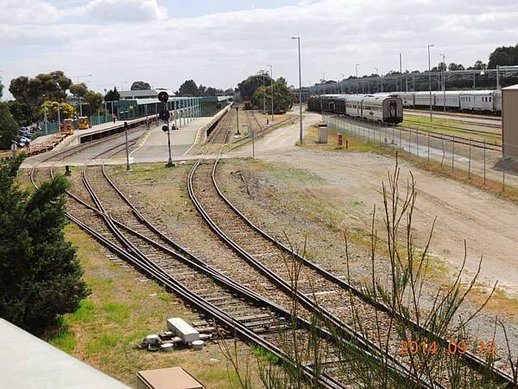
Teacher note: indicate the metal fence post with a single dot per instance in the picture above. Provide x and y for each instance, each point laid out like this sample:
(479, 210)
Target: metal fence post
(469, 160)
(503, 174)
(428, 141)
(443, 152)
(484, 162)
(453, 153)
(417, 142)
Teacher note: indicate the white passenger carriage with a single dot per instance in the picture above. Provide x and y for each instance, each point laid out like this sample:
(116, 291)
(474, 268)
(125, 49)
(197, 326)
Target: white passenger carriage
(422, 99)
(481, 101)
(386, 108)
(406, 97)
(448, 99)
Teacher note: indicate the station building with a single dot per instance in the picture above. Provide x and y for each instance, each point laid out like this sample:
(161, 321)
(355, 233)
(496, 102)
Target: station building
(138, 103)
(510, 122)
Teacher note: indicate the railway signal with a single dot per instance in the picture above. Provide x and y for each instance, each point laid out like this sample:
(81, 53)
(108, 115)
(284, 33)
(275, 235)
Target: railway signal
(165, 115)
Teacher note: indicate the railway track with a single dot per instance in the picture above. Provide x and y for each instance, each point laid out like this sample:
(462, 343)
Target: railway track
(222, 299)
(235, 307)
(315, 287)
(456, 128)
(223, 130)
(456, 114)
(182, 275)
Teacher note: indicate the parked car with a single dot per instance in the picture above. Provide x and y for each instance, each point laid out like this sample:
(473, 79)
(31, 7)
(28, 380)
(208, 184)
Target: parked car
(23, 141)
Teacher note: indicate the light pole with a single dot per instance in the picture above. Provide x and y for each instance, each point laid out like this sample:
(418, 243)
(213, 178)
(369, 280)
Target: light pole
(342, 84)
(271, 76)
(105, 108)
(300, 89)
(356, 72)
(59, 117)
(401, 71)
(443, 75)
(378, 74)
(80, 104)
(264, 90)
(430, 80)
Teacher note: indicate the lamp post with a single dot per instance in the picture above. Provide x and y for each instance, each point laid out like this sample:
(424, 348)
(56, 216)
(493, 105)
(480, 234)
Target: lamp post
(271, 76)
(430, 80)
(59, 116)
(300, 90)
(443, 75)
(105, 108)
(80, 104)
(356, 71)
(342, 84)
(378, 74)
(264, 94)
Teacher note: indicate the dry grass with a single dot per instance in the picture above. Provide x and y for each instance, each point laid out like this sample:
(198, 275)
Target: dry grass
(123, 308)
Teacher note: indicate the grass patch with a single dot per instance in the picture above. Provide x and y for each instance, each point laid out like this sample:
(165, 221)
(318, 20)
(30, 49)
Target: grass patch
(450, 127)
(102, 345)
(123, 308)
(65, 340)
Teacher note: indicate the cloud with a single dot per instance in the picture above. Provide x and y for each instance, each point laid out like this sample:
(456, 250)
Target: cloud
(27, 12)
(125, 10)
(221, 49)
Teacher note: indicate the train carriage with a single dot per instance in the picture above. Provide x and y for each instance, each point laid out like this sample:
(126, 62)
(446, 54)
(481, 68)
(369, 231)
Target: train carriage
(386, 108)
(422, 99)
(481, 101)
(448, 99)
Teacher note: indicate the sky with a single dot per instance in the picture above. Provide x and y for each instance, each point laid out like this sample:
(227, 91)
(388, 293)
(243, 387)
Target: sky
(107, 43)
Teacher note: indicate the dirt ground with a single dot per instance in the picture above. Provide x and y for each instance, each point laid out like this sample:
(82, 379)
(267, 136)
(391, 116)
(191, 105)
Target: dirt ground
(463, 212)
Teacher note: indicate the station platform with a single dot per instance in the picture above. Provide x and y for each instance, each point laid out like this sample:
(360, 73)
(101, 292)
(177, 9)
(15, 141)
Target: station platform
(152, 147)
(29, 362)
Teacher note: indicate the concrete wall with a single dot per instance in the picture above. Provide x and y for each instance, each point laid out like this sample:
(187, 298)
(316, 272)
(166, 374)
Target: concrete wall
(510, 121)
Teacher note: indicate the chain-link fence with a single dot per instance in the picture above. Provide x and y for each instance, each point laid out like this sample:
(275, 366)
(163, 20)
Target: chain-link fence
(472, 159)
(53, 127)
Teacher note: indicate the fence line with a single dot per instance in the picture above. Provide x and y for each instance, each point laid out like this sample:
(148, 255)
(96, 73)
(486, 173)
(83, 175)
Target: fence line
(475, 158)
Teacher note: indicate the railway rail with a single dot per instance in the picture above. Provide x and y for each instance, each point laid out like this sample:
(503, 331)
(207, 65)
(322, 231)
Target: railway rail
(456, 128)
(315, 285)
(438, 135)
(456, 114)
(238, 309)
(254, 318)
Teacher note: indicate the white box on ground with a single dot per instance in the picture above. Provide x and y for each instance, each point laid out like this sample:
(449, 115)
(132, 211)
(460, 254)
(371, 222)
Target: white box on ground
(181, 328)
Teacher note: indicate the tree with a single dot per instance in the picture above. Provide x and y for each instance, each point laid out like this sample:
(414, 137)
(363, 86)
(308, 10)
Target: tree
(202, 90)
(31, 92)
(94, 101)
(454, 66)
(1, 89)
(66, 111)
(503, 56)
(8, 127)
(248, 87)
(479, 65)
(112, 95)
(45, 86)
(79, 90)
(188, 89)
(282, 97)
(140, 85)
(41, 275)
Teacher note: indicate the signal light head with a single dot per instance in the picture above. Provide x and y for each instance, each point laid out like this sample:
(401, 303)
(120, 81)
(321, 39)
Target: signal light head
(164, 115)
(163, 96)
